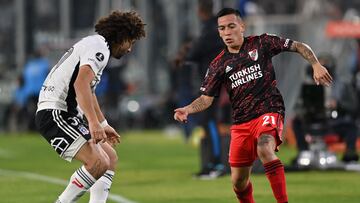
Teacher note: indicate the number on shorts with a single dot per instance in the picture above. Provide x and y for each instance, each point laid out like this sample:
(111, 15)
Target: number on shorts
(268, 119)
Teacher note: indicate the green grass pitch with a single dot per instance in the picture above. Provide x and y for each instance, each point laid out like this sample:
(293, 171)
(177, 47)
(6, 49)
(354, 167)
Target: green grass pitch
(154, 168)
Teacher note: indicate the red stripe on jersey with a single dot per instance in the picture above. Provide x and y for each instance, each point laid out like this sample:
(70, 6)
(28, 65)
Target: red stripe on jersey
(218, 56)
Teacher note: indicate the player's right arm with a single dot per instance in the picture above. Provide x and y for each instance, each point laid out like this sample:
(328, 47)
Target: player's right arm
(198, 105)
(321, 75)
(209, 89)
(84, 98)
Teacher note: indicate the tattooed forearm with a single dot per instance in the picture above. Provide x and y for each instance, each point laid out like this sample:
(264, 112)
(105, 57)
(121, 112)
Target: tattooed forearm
(200, 104)
(305, 51)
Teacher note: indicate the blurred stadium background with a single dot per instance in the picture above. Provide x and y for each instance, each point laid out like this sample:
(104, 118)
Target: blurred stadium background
(137, 92)
(29, 25)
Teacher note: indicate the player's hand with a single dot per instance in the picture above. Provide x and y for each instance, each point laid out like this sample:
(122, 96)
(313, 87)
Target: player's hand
(321, 75)
(181, 115)
(97, 132)
(113, 138)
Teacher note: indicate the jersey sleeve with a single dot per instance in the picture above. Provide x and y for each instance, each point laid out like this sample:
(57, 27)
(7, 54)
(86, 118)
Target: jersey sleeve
(214, 77)
(275, 44)
(95, 56)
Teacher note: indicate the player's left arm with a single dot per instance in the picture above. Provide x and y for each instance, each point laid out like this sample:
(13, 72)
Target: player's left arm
(321, 75)
(112, 136)
(200, 104)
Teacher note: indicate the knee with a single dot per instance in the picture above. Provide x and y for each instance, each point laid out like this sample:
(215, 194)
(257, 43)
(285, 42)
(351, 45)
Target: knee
(265, 152)
(240, 182)
(113, 158)
(98, 165)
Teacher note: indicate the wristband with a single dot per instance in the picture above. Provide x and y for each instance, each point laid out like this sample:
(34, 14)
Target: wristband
(104, 123)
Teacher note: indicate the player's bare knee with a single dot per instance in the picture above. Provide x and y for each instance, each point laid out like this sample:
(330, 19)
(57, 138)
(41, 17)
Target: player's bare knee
(264, 152)
(113, 157)
(98, 167)
(106, 163)
(240, 182)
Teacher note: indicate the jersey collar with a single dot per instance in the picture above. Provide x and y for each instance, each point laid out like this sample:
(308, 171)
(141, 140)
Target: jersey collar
(107, 43)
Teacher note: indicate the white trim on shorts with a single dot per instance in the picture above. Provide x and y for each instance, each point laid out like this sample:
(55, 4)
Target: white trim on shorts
(72, 150)
(79, 140)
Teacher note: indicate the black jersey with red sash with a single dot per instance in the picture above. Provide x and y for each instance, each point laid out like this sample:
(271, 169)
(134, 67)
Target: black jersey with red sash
(248, 77)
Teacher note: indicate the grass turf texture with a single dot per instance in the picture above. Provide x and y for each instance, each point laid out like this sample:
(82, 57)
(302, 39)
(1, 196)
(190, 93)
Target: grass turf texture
(154, 168)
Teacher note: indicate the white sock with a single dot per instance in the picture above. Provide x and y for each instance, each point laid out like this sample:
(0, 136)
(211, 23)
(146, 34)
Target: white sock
(100, 190)
(79, 183)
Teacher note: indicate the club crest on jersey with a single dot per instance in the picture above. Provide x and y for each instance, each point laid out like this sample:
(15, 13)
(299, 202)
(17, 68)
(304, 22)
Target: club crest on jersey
(83, 130)
(99, 56)
(253, 54)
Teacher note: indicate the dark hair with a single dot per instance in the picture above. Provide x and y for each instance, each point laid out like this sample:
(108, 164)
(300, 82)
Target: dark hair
(228, 11)
(121, 26)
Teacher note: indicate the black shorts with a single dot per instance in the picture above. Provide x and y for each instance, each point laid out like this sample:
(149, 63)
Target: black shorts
(65, 132)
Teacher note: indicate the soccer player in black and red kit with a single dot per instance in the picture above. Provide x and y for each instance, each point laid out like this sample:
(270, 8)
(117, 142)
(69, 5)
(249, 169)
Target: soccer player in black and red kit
(245, 69)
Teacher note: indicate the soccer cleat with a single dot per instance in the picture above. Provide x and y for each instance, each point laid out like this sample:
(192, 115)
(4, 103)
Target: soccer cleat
(210, 175)
(218, 173)
(202, 172)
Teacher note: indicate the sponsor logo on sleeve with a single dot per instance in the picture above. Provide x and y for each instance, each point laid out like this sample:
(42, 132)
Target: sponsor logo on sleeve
(286, 44)
(99, 56)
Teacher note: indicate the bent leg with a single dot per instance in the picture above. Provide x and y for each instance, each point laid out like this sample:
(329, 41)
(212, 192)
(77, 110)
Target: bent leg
(95, 164)
(274, 169)
(241, 184)
(94, 159)
(100, 190)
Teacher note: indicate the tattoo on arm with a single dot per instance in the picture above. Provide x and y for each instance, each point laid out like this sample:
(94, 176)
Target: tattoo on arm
(305, 51)
(199, 104)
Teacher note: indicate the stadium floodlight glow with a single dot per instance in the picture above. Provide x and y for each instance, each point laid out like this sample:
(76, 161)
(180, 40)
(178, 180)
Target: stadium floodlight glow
(322, 161)
(133, 106)
(304, 161)
(334, 114)
(305, 158)
(331, 159)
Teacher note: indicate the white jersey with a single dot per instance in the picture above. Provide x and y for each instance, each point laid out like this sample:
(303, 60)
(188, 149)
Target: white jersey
(58, 90)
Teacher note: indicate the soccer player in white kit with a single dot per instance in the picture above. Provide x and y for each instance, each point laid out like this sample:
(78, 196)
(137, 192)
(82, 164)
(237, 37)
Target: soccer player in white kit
(68, 95)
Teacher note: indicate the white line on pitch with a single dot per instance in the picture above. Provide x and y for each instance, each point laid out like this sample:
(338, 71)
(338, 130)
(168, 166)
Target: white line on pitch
(48, 179)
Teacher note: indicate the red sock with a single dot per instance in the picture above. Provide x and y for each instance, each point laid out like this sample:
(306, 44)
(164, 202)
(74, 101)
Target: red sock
(245, 196)
(274, 171)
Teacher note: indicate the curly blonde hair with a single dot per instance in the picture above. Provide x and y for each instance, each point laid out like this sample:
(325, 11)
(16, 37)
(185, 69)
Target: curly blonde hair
(121, 26)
